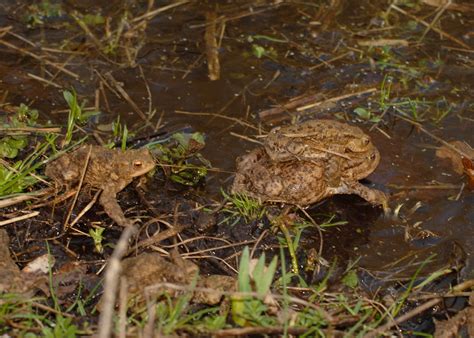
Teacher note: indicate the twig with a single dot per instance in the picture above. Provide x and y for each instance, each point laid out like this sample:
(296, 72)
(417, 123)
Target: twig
(291, 104)
(439, 139)
(83, 174)
(125, 95)
(150, 324)
(246, 138)
(86, 209)
(383, 42)
(161, 236)
(150, 97)
(325, 63)
(55, 130)
(262, 330)
(86, 30)
(5, 30)
(151, 14)
(406, 316)
(242, 15)
(41, 79)
(337, 98)
(50, 309)
(19, 218)
(436, 18)
(23, 197)
(437, 30)
(239, 121)
(123, 307)
(112, 274)
(39, 58)
(212, 51)
(423, 307)
(192, 66)
(16, 171)
(275, 76)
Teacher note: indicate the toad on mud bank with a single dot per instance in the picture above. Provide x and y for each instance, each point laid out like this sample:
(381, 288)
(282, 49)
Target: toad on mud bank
(110, 170)
(302, 164)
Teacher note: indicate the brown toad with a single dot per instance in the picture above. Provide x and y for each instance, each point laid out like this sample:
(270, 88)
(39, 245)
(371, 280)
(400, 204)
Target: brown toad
(318, 140)
(305, 175)
(26, 281)
(315, 139)
(149, 274)
(110, 170)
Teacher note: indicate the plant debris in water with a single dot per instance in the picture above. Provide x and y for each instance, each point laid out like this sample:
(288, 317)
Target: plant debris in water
(176, 156)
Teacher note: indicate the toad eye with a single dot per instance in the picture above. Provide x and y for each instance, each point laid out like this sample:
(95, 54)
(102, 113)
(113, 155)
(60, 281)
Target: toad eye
(366, 141)
(372, 157)
(137, 164)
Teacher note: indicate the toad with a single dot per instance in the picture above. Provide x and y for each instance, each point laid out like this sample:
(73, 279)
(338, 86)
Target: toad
(26, 281)
(315, 139)
(330, 141)
(305, 175)
(109, 170)
(150, 274)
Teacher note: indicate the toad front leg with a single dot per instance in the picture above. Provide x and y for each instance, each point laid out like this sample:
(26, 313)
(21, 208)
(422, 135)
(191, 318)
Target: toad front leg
(108, 200)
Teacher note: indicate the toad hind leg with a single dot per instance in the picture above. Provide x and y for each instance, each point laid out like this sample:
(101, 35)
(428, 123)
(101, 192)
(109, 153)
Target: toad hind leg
(108, 200)
(373, 196)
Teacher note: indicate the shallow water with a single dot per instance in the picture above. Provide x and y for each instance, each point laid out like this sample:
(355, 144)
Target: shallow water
(175, 70)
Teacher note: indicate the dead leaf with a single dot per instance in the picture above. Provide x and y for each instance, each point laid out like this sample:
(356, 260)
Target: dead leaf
(469, 171)
(455, 156)
(40, 264)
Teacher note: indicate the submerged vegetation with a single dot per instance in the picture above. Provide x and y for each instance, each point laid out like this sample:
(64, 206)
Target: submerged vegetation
(200, 83)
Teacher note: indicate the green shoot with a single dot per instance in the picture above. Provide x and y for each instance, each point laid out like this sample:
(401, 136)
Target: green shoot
(247, 309)
(76, 114)
(243, 206)
(96, 234)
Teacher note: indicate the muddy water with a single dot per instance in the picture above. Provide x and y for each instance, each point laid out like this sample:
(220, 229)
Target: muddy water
(173, 62)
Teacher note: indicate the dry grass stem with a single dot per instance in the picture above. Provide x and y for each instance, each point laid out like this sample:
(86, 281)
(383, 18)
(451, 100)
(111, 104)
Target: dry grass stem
(5, 30)
(291, 104)
(10, 168)
(461, 7)
(439, 139)
(85, 209)
(7, 202)
(161, 236)
(41, 79)
(435, 20)
(122, 332)
(119, 87)
(39, 58)
(230, 118)
(383, 42)
(150, 14)
(87, 31)
(337, 98)
(111, 281)
(437, 30)
(408, 315)
(83, 174)
(246, 138)
(19, 218)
